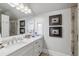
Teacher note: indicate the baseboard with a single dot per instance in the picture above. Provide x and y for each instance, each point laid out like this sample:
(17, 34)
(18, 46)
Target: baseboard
(54, 53)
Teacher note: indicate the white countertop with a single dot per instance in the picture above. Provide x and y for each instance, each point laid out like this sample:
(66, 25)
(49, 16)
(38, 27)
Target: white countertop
(12, 48)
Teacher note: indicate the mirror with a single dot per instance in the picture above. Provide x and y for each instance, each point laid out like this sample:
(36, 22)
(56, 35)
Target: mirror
(14, 22)
(11, 22)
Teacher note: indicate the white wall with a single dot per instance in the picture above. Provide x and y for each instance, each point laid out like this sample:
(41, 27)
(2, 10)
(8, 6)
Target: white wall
(61, 45)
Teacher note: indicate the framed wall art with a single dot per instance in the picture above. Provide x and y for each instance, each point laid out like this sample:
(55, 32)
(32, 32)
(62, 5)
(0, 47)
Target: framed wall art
(55, 19)
(22, 30)
(22, 23)
(55, 31)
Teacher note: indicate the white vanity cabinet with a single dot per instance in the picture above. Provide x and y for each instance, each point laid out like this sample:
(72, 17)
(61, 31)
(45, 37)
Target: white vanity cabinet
(32, 49)
(38, 47)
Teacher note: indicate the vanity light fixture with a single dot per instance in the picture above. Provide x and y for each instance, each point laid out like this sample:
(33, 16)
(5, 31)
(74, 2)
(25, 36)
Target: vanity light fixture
(21, 7)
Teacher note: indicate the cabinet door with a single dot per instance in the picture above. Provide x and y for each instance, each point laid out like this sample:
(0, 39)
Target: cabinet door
(41, 44)
(37, 51)
(29, 53)
(38, 46)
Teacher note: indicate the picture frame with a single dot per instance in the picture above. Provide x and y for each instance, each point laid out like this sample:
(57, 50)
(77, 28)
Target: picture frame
(22, 30)
(22, 23)
(55, 19)
(55, 31)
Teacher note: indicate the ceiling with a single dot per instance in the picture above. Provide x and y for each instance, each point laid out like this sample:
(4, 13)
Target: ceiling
(37, 8)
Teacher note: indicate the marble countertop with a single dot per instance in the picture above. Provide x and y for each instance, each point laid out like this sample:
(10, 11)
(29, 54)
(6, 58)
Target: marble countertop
(12, 48)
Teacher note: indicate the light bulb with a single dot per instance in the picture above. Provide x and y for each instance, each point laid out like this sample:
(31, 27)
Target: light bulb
(29, 11)
(17, 8)
(26, 12)
(21, 6)
(26, 8)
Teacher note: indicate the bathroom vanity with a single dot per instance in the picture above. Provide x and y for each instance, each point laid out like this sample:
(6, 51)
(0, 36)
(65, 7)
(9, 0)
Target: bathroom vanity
(27, 47)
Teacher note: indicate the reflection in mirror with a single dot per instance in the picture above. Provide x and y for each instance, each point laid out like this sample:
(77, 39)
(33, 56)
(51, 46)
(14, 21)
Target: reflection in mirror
(4, 25)
(10, 21)
(13, 27)
(8, 27)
